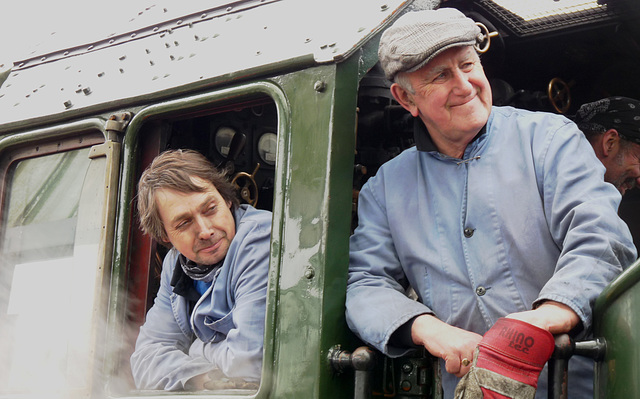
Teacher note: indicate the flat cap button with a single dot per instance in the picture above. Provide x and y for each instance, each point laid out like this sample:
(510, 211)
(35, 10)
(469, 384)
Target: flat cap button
(468, 232)
(480, 291)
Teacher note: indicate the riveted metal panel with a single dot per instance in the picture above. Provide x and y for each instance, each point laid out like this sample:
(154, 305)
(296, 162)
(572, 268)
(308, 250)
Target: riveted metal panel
(230, 42)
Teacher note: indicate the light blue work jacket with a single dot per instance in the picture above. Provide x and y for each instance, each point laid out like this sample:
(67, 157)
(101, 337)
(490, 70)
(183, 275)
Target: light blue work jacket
(524, 217)
(226, 328)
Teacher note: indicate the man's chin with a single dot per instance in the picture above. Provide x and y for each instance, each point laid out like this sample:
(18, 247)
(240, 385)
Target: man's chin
(475, 114)
(626, 186)
(211, 258)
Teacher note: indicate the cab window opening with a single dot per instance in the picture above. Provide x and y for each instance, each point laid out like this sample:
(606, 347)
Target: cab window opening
(238, 139)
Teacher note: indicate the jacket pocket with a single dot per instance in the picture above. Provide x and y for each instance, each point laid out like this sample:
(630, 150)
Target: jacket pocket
(219, 328)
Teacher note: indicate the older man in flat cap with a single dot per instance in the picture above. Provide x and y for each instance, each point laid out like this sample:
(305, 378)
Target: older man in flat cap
(612, 126)
(498, 218)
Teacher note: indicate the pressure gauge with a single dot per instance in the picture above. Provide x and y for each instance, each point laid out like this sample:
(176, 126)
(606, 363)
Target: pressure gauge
(223, 138)
(267, 147)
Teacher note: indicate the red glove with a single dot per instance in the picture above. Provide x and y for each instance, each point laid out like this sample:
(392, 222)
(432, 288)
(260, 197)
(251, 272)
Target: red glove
(508, 361)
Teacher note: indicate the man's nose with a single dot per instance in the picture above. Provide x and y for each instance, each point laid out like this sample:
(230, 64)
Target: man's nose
(636, 173)
(461, 82)
(205, 228)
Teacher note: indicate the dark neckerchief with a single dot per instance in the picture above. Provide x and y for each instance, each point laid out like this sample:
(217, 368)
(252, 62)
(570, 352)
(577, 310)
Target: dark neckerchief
(423, 139)
(197, 271)
(183, 285)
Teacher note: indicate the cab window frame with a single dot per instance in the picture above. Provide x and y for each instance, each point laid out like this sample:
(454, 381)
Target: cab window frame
(29, 146)
(138, 251)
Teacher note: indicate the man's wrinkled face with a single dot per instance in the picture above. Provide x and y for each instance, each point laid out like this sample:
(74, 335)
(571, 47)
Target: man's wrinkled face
(623, 171)
(452, 94)
(199, 225)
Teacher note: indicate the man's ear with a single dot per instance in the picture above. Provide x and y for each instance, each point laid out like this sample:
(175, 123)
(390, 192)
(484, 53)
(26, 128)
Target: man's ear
(165, 239)
(610, 142)
(404, 98)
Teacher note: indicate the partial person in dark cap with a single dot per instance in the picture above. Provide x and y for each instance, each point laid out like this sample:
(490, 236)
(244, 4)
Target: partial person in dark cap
(498, 218)
(612, 126)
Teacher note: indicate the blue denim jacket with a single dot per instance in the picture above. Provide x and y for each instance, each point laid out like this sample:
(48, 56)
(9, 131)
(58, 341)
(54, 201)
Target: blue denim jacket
(524, 217)
(226, 328)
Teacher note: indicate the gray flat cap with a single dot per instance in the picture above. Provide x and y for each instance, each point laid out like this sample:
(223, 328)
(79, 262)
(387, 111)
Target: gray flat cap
(417, 37)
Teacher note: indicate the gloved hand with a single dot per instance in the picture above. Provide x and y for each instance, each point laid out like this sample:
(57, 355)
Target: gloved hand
(507, 362)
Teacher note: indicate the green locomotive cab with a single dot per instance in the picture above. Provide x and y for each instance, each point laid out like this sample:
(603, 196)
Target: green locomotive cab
(287, 97)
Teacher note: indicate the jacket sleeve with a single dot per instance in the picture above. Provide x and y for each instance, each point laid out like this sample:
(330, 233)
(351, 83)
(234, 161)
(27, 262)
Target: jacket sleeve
(160, 359)
(581, 210)
(239, 353)
(377, 304)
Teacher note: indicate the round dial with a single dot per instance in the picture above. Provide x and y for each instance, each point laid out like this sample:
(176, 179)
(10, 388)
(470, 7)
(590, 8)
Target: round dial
(267, 148)
(223, 138)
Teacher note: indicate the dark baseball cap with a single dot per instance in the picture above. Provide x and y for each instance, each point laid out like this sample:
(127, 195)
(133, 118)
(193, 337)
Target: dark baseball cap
(619, 113)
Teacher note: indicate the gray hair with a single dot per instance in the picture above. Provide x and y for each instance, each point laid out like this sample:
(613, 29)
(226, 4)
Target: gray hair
(402, 79)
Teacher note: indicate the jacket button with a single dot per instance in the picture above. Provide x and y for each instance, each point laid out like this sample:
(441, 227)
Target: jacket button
(468, 232)
(480, 291)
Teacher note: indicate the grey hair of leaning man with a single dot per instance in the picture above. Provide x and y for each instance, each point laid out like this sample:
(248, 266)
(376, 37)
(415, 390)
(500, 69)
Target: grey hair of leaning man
(499, 219)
